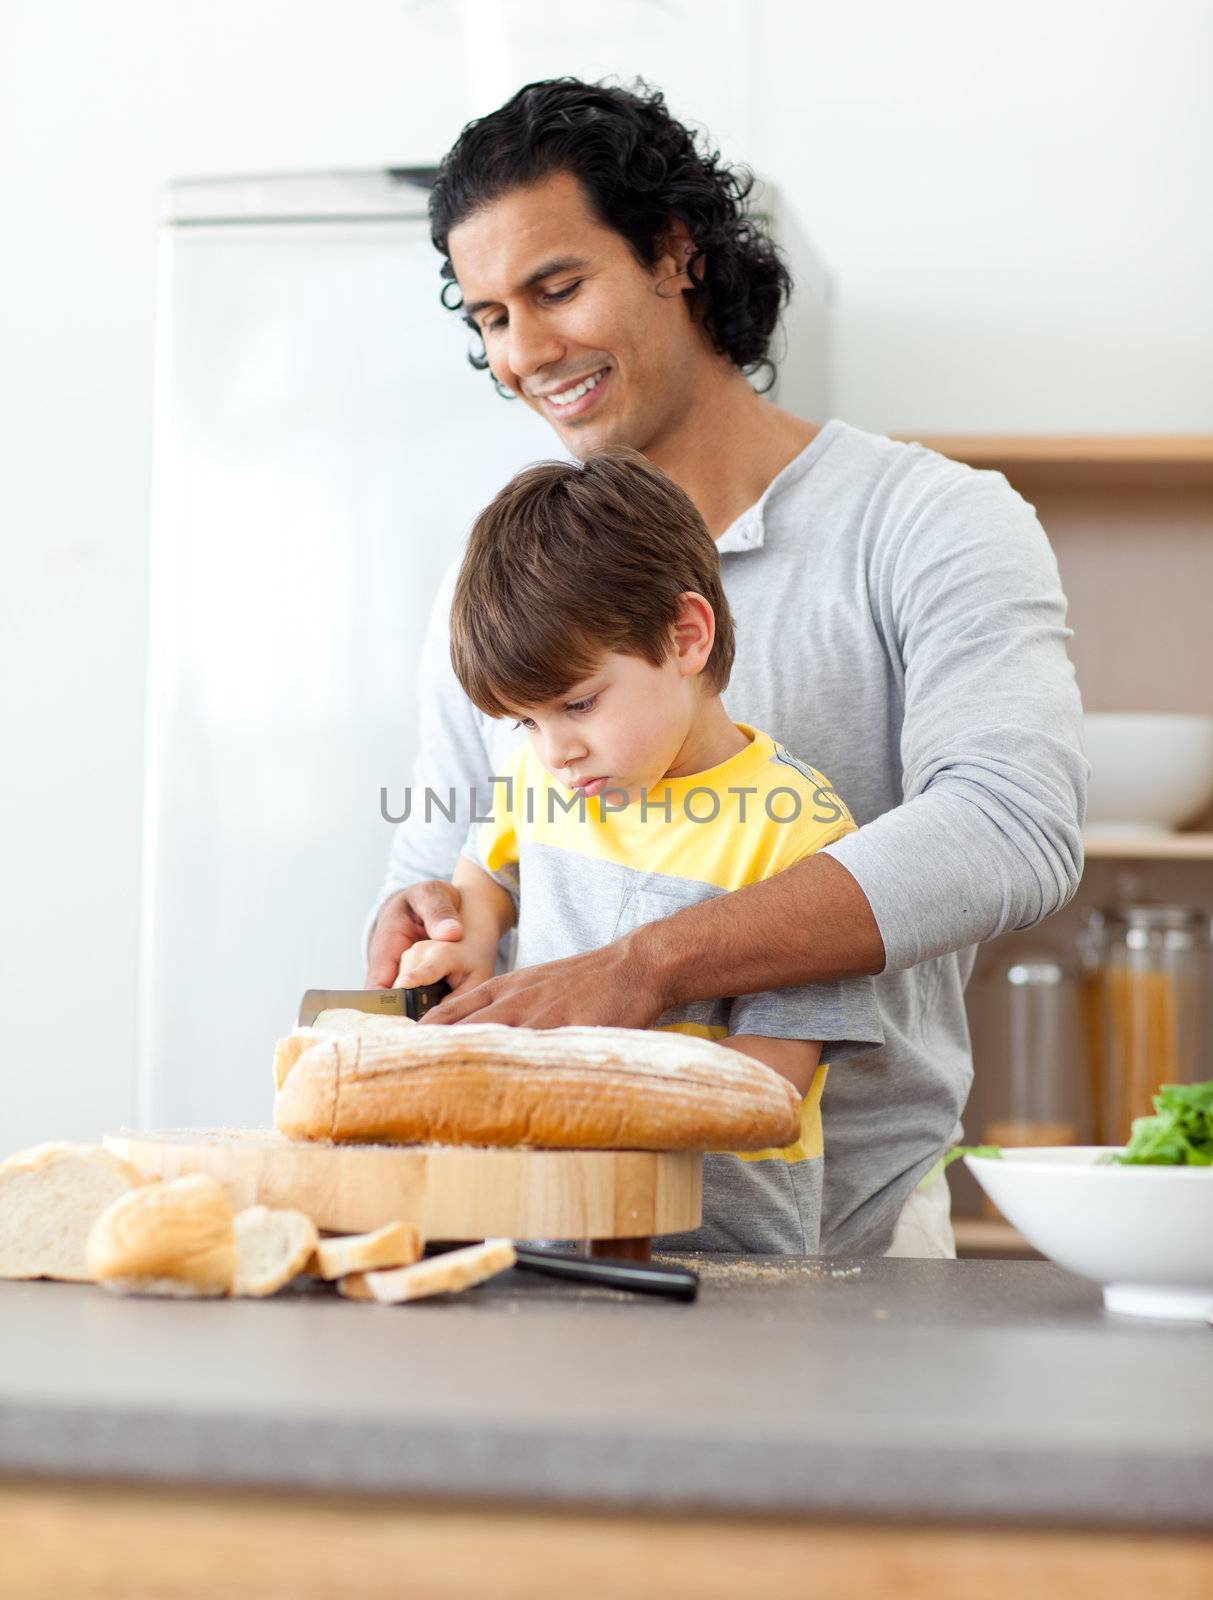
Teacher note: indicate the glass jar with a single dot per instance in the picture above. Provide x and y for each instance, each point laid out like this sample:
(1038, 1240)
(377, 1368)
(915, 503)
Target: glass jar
(1036, 1055)
(1147, 997)
(1045, 1064)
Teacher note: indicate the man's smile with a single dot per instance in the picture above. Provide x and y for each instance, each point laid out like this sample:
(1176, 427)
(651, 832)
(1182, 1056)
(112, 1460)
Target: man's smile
(573, 400)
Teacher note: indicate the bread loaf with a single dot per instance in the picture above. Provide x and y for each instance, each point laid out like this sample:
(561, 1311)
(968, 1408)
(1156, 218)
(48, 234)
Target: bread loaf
(50, 1196)
(167, 1238)
(559, 1088)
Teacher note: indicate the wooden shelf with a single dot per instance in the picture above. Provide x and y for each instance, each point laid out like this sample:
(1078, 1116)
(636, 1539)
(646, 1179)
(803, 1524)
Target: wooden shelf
(983, 449)
(1082, 461)
(1130, 520)
(1149, 847)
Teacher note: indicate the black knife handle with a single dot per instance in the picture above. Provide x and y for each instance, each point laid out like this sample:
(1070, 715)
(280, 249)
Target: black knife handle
(418, 1001)
(641, 1277)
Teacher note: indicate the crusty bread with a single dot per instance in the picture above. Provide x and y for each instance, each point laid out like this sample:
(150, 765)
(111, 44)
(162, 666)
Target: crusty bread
(559, 1088)
(50, 1196)
(445, 1274)
(179, 1234)
(395, 1245)
(271, 1248)
(339, 1019)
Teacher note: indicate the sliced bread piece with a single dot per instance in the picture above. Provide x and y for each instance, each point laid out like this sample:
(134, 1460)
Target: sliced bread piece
(50, 1196)
(395, 1245)
(167, 1238)
(271, 1248)
(444, 1274)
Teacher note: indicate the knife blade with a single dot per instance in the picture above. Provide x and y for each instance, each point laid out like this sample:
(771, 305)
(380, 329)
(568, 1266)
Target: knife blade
(411, 1003)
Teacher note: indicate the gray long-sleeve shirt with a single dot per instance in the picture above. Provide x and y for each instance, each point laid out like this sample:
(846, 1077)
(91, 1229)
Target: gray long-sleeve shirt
(901, 626)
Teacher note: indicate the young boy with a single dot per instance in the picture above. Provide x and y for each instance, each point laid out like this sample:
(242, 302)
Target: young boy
(589, 608)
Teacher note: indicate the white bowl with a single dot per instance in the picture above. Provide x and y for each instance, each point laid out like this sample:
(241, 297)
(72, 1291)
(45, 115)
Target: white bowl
(1144, 1233)
(1147, 771)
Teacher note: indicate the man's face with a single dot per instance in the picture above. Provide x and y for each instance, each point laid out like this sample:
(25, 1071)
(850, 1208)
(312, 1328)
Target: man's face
(621, 728)
(601, 347)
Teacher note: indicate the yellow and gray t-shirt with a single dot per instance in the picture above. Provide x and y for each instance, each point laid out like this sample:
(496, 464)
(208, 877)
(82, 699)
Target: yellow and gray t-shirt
(585, 872)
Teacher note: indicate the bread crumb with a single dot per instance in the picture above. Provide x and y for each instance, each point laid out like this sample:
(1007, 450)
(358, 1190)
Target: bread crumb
(746, 1268)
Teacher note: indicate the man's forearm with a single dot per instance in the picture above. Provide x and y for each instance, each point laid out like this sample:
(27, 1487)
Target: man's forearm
(809, 924)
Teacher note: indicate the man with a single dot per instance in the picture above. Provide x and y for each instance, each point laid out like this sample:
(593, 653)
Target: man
(900, 625)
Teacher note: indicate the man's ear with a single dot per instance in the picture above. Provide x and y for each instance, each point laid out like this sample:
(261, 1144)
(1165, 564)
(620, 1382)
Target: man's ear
(675, 248)
(694, 631)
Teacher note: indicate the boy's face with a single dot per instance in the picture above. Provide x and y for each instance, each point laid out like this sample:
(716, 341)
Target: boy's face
(622, 728)
(560, 300)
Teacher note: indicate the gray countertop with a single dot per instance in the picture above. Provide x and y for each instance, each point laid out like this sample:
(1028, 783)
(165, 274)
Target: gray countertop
(948, 1391)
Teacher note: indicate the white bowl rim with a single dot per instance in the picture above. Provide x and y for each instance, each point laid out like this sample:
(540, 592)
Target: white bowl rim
(1079, 1158)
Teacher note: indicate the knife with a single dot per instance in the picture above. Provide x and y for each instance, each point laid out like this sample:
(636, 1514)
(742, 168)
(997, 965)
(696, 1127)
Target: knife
(641, 1277)
(411, 1003)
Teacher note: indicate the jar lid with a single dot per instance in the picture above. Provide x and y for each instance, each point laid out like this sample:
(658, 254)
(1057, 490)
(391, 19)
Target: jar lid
(1157, 916)
(1037, 972)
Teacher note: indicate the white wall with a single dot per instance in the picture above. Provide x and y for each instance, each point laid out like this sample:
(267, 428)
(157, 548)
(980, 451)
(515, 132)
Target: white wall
(1014, 202)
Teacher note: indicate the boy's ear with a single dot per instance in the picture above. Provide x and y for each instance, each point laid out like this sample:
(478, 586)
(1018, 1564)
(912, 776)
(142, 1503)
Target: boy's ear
(694, 632)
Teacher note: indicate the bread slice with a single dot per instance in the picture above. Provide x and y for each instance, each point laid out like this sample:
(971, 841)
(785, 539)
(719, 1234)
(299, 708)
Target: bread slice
(271, 1248)
(444, 1274)
(50, 1196)
(555, 1088)
(395, 1245)
(167, 1238)
(339, 1019)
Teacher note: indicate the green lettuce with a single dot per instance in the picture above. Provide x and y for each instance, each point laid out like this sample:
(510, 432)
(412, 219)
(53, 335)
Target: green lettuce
(1179, 1134)
(954, 1154)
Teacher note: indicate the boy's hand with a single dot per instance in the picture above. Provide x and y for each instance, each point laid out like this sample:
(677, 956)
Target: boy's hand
(430, 910)
(460, 961)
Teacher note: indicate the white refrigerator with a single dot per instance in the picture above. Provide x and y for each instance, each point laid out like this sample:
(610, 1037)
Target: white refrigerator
(321, 447)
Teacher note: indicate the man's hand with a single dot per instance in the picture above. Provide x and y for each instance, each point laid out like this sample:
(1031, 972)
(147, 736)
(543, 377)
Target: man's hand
(426, 911)
(610, 987)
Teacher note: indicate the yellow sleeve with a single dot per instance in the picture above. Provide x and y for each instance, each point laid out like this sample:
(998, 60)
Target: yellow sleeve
(823, 817)
(493, 845)
(498, 845)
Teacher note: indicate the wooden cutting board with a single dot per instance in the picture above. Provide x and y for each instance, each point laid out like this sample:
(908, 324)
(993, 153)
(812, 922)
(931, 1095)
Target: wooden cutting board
(445, 1191)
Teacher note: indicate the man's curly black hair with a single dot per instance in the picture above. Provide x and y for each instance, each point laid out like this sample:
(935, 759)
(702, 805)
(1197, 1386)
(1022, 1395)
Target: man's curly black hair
(639, 169)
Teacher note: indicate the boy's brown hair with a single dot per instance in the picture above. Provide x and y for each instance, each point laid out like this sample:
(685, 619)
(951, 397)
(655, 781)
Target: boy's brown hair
(572, 561)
